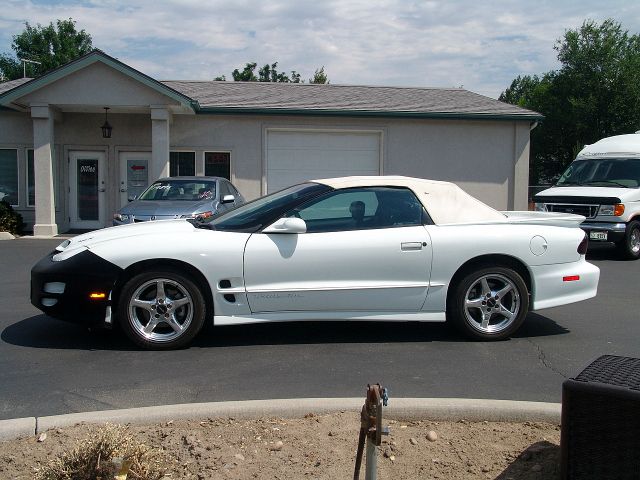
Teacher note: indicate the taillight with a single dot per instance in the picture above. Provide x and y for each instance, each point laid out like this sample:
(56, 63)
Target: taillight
(584, 244)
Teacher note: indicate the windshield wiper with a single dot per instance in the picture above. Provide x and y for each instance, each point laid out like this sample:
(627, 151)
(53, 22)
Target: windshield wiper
(564, 184)
(607, 181)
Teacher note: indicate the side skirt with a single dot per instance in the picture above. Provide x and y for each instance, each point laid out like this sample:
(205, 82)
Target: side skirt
(330, 316)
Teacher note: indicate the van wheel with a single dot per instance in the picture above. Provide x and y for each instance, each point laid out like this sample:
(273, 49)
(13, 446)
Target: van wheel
(629, 246)
(489, 303)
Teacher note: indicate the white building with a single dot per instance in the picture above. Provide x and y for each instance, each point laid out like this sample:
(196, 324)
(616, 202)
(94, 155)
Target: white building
(60, 172)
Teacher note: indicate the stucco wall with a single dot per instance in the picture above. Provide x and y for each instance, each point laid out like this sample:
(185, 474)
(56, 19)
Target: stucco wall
(489, 159)
(477, 155)
(97, 84)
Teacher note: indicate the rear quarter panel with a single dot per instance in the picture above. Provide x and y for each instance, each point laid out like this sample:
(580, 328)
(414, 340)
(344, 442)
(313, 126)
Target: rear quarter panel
(455, 245)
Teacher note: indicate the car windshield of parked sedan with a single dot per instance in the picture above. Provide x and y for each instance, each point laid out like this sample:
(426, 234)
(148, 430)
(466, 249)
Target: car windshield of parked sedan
(610, 172)
(263, 211)
(188, 190)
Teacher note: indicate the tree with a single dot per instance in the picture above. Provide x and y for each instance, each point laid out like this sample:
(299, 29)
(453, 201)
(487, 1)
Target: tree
(594, 94)
(319, 76)
(51, 45)
(270, 73)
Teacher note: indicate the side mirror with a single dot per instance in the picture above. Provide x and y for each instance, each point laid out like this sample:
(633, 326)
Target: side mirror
(132, 197)
(228, 199)
(287, 225)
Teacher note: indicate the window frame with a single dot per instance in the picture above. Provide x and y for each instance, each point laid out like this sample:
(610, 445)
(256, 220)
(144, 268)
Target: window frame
(18, 191)
(195, 171)
(204, 162)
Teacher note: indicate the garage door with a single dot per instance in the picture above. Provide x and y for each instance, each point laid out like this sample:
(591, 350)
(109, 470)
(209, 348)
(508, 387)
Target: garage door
(293, 157)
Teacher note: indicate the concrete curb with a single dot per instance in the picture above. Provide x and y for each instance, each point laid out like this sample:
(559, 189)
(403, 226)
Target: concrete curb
(6, 236)
(439, 409)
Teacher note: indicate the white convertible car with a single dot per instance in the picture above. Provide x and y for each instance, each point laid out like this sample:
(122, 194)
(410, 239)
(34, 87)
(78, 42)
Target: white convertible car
(354, 248)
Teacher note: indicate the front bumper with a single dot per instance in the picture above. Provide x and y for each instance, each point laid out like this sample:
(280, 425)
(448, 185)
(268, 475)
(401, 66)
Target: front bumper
(615, 231)
(62, 289)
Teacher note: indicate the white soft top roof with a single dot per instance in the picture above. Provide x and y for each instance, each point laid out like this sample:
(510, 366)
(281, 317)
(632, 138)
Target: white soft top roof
(446, 202)
(616, 145)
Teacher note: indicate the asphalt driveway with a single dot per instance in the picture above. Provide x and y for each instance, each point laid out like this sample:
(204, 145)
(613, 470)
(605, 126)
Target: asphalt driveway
(51, 367)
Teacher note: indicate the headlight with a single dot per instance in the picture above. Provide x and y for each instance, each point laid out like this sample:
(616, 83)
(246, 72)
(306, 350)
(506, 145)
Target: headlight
(199, 216)
(540, 207)
(121, 217)
(615, 210)
(59, 257)
(63, 245)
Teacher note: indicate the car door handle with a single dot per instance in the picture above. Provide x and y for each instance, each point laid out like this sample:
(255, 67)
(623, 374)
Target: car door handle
(406, 246)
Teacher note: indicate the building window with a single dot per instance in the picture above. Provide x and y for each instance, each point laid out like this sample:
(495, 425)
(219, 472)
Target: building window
(182, 164)
(9, 176)
(217, 164)
(31, 187)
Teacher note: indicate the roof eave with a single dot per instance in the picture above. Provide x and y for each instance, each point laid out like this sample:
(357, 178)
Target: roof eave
(367, 113)
(6, 98)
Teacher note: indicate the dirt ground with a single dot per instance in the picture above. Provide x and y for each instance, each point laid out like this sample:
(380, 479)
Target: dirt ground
(319, 446)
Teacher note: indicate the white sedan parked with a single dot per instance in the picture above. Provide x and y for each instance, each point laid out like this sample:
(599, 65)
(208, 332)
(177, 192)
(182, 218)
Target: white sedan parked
(353, 248)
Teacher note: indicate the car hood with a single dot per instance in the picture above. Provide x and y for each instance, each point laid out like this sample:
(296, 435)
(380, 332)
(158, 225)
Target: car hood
(624, 194)
(166, 207)
(90, 239)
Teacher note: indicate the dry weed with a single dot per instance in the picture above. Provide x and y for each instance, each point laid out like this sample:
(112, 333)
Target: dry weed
(96, 458)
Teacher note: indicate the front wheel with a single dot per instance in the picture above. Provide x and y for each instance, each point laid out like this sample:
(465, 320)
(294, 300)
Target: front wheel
(489, 303)
(161, 309)
(629, 246)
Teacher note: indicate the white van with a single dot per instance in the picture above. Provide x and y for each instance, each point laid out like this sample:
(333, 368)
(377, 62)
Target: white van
(602, 184)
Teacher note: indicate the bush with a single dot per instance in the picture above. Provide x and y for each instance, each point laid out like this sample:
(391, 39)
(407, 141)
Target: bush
(10, 220)
(107, 453)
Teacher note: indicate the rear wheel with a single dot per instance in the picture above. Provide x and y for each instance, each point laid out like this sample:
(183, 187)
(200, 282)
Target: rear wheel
(489, 303)
(161, 309)
(629, 246)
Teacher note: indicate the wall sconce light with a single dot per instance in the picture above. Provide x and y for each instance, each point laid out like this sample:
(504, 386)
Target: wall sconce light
(106, 127)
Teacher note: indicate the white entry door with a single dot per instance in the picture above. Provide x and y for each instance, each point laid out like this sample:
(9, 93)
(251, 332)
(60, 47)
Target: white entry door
(134, 175)
(87, 189)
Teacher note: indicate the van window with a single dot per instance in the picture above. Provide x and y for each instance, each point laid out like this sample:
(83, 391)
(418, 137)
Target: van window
(610, 172)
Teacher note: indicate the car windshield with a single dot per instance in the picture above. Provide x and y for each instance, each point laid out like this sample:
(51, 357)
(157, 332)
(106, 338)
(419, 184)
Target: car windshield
(609, 172)
(185, 190)
(263, 211)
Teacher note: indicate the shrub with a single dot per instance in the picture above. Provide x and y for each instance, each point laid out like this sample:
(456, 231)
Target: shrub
(10, 220)
(102, 455)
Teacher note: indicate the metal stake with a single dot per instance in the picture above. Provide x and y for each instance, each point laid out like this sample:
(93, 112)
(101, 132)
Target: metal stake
(371, 430)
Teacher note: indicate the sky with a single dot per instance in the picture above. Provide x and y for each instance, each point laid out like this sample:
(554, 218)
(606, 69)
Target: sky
(480, 46)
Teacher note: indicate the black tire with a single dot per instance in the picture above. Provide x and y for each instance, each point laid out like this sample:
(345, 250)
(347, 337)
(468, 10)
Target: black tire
(471, 301)
(629, 246)
(177, 308)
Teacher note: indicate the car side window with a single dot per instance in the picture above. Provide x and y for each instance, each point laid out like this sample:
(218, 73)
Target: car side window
(361, 209)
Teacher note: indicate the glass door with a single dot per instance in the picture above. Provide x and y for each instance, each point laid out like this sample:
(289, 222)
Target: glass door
(134, 175)
(87, 190)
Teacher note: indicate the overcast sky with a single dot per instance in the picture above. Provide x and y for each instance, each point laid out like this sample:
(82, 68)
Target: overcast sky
(366, 42)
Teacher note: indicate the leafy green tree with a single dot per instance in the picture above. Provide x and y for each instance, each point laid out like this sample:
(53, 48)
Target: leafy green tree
(270, 73)
(51, 45)
(594, 94)
(319, 76)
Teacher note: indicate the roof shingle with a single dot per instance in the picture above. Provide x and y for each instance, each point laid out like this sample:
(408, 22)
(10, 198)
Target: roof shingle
(212, 95)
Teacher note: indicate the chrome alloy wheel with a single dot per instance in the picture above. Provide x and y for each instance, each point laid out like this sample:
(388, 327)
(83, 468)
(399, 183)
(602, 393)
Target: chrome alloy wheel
(492, 303)
(160, 310)
(634, 241)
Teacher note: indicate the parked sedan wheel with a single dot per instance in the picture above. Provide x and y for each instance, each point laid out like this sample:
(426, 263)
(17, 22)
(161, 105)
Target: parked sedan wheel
(489, 303)
(161, 310)
(629, 246)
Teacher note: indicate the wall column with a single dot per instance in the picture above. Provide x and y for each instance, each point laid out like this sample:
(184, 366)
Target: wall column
(43, 131)
(160, 141)
(522, 140)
